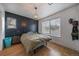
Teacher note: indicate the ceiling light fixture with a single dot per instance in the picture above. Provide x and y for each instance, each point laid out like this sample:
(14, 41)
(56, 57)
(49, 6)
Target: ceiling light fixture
(50, 3)
(36, 15)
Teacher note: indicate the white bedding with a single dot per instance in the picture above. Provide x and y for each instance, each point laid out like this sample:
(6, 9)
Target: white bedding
(32, 40)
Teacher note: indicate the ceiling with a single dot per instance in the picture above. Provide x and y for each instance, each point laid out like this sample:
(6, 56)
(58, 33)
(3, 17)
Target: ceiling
(27, 9)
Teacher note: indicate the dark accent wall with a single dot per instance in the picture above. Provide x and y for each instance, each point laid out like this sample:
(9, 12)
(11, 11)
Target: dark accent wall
(32, 25)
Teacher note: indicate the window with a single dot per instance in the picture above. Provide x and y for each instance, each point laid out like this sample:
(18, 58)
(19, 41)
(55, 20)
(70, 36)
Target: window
(52, 27)
(55, 27)
(46, 27)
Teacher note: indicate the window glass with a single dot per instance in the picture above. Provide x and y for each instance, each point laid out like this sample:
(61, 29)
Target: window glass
(52, 27)
(45, 27)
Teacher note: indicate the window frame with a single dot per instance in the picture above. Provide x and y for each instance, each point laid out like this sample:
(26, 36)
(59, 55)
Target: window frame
(50, 33)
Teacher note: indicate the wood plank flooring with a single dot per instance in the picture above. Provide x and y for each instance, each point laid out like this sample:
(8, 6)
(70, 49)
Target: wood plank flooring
(15, 50)
(52, 49)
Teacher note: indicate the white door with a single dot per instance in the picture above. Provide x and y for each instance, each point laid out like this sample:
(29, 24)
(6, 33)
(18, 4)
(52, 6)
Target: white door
(2, 26)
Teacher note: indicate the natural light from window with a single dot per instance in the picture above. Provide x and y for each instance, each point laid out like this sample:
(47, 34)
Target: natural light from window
(52, 27)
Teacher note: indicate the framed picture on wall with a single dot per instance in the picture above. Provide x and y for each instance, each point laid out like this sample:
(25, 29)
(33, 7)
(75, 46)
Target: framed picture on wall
(11, 23)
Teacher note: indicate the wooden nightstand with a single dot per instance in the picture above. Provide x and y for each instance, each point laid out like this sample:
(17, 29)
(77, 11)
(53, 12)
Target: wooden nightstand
(16, 40)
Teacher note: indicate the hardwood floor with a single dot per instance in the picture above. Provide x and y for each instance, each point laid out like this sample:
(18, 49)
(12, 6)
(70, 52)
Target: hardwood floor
(52, 49)
(15, 50)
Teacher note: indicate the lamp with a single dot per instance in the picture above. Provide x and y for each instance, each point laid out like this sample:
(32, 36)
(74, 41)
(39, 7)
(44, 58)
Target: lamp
(36, 15)
(50, 3)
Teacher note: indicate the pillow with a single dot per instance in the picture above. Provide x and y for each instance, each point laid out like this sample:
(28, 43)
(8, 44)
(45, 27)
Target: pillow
(30, 33)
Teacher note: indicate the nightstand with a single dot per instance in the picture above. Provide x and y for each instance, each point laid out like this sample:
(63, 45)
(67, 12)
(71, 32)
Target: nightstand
(16, 39)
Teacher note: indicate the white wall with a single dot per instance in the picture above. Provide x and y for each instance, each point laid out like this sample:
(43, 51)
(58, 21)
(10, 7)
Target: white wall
(2, 29)
(66, 28)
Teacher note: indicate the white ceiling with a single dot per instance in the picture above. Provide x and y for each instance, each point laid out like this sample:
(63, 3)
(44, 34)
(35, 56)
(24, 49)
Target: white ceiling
(27, 9)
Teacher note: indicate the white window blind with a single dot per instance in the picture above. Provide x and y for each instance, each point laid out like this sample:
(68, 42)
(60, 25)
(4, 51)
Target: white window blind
(52, 27)
(46, 27)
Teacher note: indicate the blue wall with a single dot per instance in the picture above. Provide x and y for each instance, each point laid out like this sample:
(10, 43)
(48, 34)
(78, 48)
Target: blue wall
(32, 25)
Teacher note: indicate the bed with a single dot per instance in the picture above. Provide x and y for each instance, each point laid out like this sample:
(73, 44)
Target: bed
(33, 40)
